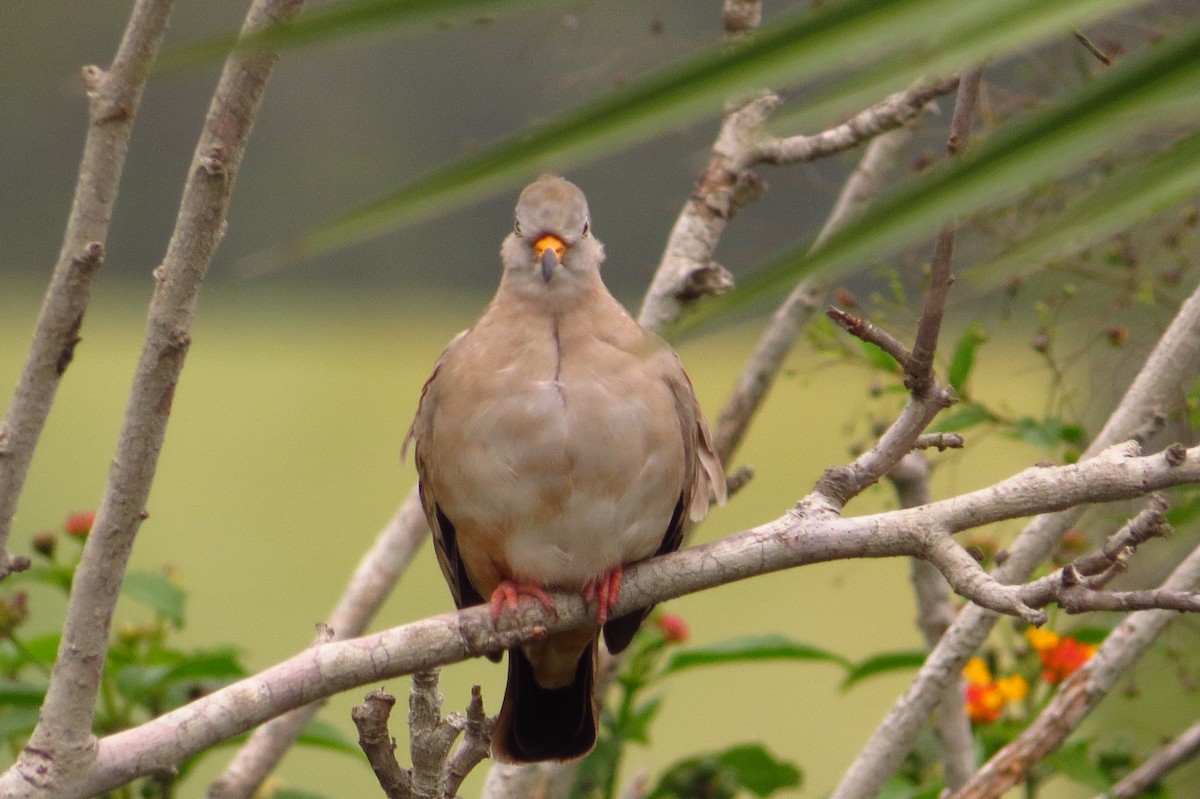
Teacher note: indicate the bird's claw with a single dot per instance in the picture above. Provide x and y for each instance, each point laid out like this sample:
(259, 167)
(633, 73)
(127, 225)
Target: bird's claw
(606, 589)
(509, 592)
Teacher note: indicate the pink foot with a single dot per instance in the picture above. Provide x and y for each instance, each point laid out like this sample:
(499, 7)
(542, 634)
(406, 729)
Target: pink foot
(508, 592)
(606, 589)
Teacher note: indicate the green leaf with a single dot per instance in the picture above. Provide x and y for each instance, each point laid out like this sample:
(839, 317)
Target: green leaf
(1149, 91)
(895, 35)
(1089, 634)
(758, 771)
(884, 663)
(597, 772)
(296, 793)
(14, 693)
(1074, 761)
(879, 359)
(901, 787)
(17, 721)
(165, 598)
(721, 774)
(323, 735)
(1046, 433)
(637, 728)
(1185, 506)
(748, 649)
(963, 359)
(218, 664)
(965, 415)
(328, 22)
(138, 680)
(39, 651)
(53, 574)
(1117, 202)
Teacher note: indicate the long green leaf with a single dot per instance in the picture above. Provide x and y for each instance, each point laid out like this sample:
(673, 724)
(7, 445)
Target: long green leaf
(884, 663)
(1153, 90)
(798, 48)
(991, 30)
(339, 20)
(750, 648)
(1116, 203)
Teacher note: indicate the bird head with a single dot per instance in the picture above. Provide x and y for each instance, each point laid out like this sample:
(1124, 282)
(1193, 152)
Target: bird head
(551, 231)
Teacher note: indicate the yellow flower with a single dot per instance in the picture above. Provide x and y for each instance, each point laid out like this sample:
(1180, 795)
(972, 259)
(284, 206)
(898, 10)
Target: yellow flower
(1041, 640)
(1013, 688)
(976, 672)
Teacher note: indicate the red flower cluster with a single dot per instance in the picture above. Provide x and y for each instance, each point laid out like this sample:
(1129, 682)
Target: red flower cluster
(673, 628)
(986, 697)
(1061, 656)
(79, 524)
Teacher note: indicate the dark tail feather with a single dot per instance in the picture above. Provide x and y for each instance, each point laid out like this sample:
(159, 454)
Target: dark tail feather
(539, 724)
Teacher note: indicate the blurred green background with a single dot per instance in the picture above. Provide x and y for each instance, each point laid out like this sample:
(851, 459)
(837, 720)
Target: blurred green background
(282, 460)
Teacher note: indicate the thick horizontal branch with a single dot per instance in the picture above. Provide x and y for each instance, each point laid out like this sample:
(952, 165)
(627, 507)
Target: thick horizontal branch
(794, 539)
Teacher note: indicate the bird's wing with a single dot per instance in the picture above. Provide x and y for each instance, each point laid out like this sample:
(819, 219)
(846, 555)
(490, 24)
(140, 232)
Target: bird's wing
(704, 480)
(445, 543)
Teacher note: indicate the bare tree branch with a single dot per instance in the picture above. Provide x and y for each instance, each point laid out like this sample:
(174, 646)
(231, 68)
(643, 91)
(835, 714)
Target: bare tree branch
(1171, 366)
(865, 330)
(1079, 693)
(371, 719)
(939, 441)
(728, 184)
(796, 538)
(377, 573)
(935, 613)
(1157, 766)
(62, 745)
(765, 362)
(113, 100)
(918, 370)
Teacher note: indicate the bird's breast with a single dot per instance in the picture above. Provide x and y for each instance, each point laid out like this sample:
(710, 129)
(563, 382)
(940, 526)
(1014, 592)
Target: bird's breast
(571, 458)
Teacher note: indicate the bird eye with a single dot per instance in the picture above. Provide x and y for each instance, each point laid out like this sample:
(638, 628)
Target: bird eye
(585, 227)
(517, 227)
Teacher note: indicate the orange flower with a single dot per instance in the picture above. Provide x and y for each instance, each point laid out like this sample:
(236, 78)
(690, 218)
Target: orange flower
(79, 524)
(1062, 660)
(983, 703)
(673, 628)
(986, 698)
(1060, 655)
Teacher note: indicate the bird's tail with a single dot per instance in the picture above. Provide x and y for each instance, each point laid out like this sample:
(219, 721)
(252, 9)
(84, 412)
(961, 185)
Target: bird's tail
(537, 723)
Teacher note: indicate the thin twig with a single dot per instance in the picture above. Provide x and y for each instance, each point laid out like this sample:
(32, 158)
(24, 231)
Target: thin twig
(918, 370)
(868, 332)
(1100, 55)
(113, 100)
